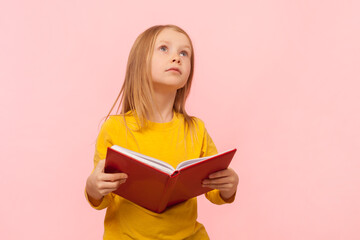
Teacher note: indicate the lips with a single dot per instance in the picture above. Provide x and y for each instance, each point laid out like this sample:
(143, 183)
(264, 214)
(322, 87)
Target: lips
(174, 69)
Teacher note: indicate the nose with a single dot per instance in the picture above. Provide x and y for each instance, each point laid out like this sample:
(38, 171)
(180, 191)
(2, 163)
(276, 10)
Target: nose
(176, 58)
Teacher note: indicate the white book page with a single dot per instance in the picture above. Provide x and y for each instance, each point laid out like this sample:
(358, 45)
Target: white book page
(153, 162)
(193, 161)
(189, 162)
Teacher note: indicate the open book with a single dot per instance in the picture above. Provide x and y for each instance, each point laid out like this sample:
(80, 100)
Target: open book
(155, 184)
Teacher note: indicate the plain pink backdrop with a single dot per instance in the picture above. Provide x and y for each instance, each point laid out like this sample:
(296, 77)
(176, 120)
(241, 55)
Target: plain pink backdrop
(277, 79)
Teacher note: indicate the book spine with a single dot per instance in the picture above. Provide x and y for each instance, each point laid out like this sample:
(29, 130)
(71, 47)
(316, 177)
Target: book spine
(169, 187)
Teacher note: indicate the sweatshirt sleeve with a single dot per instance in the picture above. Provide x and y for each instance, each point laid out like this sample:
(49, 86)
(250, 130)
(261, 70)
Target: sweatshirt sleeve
(104, 140)
(209, 149)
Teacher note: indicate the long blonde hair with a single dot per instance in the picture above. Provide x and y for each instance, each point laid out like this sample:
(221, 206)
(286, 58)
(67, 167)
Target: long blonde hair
(136, 92)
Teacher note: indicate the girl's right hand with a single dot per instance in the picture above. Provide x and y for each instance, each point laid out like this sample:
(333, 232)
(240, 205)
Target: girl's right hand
(99, 183)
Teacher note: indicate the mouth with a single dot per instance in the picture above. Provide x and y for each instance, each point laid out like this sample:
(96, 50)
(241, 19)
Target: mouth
(174, 69)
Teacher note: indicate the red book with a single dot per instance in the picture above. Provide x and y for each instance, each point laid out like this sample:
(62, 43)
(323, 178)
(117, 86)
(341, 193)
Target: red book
(156, 185)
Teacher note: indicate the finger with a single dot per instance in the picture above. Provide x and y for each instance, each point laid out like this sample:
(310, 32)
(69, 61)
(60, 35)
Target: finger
(226, 186)
(112, 176)
(106, 191)
(110, 185)
(218, 180)
(100, 166)
(222, 173)
(221, 189)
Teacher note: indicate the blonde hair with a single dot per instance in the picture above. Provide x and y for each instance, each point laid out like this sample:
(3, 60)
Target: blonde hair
(136, 92)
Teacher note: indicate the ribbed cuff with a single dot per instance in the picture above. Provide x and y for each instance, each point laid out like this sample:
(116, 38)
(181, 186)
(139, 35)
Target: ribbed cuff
(104, 203)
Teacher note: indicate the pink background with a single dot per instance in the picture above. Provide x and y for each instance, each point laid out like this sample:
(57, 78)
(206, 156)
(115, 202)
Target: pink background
(277, 79)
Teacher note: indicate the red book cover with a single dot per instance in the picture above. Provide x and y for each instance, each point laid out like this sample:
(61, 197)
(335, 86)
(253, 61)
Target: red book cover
(156, 189)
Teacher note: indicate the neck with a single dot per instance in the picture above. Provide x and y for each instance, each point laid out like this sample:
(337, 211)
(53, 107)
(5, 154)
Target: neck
(163, 105)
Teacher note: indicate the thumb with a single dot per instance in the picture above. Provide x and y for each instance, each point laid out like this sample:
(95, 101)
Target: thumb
(100, 166)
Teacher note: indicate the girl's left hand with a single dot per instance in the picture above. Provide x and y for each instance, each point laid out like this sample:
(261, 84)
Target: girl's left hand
(225, 180)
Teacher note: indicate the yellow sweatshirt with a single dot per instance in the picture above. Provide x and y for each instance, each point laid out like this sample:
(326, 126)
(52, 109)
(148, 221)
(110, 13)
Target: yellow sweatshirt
(164, 141)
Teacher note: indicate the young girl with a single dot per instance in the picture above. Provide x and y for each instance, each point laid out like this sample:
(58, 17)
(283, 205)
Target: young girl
(153, 121)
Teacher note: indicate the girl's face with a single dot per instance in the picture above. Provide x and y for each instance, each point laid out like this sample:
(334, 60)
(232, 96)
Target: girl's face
(170, 64)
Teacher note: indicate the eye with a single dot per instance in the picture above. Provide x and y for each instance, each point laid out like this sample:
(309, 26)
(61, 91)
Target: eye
(185, 54)
(163, 48)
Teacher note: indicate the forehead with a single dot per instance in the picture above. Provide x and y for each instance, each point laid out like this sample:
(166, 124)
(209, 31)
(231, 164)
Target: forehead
(171, 36)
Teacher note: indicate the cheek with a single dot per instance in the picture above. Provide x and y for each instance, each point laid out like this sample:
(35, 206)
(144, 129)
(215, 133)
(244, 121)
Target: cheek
(154, 66)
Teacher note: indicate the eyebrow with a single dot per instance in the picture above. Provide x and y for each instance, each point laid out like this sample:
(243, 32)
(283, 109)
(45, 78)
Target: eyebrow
(184, 46)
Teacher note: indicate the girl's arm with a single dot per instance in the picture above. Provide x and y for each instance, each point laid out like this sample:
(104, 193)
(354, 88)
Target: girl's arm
(99, 184)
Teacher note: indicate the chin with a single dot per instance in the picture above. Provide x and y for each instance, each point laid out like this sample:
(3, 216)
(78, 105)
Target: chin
(166, 86)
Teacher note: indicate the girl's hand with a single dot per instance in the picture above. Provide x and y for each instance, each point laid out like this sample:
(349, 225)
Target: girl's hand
(99, 184)
(225, 180)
